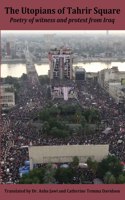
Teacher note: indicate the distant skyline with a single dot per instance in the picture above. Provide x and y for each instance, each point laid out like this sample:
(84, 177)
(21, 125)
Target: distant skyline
(63, 32)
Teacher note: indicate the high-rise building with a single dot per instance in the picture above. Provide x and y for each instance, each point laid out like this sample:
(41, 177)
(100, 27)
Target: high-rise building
(7, 97)
(8, 48)
(80, 74)
(61, 64)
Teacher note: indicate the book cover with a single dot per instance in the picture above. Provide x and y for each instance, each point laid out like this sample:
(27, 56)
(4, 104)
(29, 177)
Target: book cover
(62, 80)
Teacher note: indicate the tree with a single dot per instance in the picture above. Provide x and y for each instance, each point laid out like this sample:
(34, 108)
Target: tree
(44, 79)
(110, 179)
(39, 176)
(87, 129)
(83, 121)
(45, 127)
(78, 116)
(82, 179)
(93, 165)
(106, 177)
(54, 111)
(34, 177)
(24, 77)
(89, 162)
(48, 93)
(44, 115)
(12, 81)
(91, 115)
(94, 116)
(109, 164)
(9, 80)
(121, 179)
(49, 175)
(75, 162)
(59, 133)
(64, 175)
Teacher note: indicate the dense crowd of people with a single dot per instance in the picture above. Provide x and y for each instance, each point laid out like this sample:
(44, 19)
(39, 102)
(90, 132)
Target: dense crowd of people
(18, 132)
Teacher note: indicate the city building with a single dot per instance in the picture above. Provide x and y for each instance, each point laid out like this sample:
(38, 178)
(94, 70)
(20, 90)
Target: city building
(115, 90)
(63, 92)
(91, 76)
(61, 73)
(112, 80)
(8, 51)
(106, 76)
(65, 153)
(80, 74)
(7, 97)
(61, 62)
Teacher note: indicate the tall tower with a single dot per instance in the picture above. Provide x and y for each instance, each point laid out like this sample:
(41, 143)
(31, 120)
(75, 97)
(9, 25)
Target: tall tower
(10, 43)
(107, 43)
(8, 48)
(107, 49)
(61, 64)
(48, 40)
(107, 33)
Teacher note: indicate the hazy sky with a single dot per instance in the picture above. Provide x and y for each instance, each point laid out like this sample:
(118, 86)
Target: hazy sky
(65, 31)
